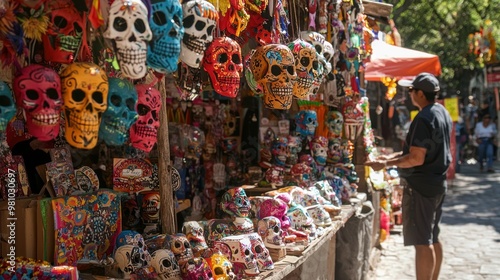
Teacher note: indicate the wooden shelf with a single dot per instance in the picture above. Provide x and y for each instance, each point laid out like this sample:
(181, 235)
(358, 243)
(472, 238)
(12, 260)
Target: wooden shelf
(183, 205)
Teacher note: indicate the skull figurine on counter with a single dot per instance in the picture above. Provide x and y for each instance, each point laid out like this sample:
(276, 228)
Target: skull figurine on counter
(320, 149)
(260, 251)
(239, 250)
(306, 121)
(270, 230)
(165, 264)
(334, 121)
(222, 268)
(129, 259)
(194, 233)
(235, 202)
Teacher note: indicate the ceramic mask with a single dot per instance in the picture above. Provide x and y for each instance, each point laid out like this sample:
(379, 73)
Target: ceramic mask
(224, 65)
(166, 26)
(7, 106)
(120, 114)
(181, 247)
(196, 269)
(84, 89)
(144, 131)
(150, 208)
(306, 122)
(38, 95)
(165, 265)
(128, 29)
(194, 233)
(133, 238)
(320, 149)
(235, 202)
(216, 229)
(280, 151)
(305, 63)
(273, 68)
(199, 20)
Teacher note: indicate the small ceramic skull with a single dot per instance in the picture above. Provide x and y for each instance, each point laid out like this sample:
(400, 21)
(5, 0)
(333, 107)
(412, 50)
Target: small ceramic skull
(334, 121)
(334, 151)
(305, 63)
(194, 233)
(270, 230)
(181, 247)
(280, 151)
(299, 217)
(165, 264)
(166, 26)
(306, 121)
(130, 237)
(128, 28)
(273, 69)
(260, 251)
(276, 208)
(38, 94)
(239, 250)
(200, 19)
(275, 175)
(224, 65)
(235, 202)
(128, 259)
(320, 149)
(196, 269)
(301, 173)
(314, 38)
(215, 230)
(120, 114)
(150, 208)
(222, 268)
(7, 106)
(144, 131)
(295, 145)
(84, 89)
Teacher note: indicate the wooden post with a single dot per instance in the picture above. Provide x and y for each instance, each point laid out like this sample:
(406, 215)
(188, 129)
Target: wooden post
(167, 205)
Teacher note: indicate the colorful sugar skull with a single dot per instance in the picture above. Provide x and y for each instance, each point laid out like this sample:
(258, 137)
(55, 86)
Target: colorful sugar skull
(280, 151)
(194, 233)
(215, 230)
(334, 121)
(38, 95)
(334, 151)
(263, 35)
(222, 268)
(143, 132)
(241, 226)
(181, 247)
(200, 18)
(305, 63)
(260, 251)
(150, 208)
(275, 175)
(236, 18)
(276, 208)
(328, 53)
(223, 63)
(7, 106)
(319, 74)
(120, 114)
(166, 26)
(299, 217)
(315, 39)
(270, 230)
(195, 269)
(273, 69)
(131, 237)
(235, 202)
(255, 202)
(66, 33)
(239, 250)
(165, 264)
(326, 191)
(320, 149)
(309, 201)
(306, 121)
(295, 146)
(84, 89)
(319, 215)
(354, 119)
(129, 259)
(128, 29)
(301, 173)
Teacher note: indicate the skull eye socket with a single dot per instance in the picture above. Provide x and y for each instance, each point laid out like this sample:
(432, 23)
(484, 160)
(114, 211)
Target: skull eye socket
(210, 29)
(200, 25)
(304, 61)
(236, 59)
(315, 65)
(258, 249)
(222, 58)
(130, 104)
(177, 20)
(116, 100)
(218, 271)
(188, 21)
(98, 96)
(186, 244)
(159, 18)
(5, 101)
(140, 25)
(177, 244)
(77, 95)
(32, 94)
(142, 110)
(318, 48)
(166, 263)
(247, 252)
(276, 229)
(276, 70)
(120, 24)
(52, 93)
(291, 70)
(60, 21)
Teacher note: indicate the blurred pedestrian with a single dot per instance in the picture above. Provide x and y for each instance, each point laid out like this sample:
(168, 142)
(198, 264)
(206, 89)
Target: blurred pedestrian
(485, 132)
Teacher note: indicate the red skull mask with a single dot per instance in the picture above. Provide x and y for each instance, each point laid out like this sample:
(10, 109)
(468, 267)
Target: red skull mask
(224, 65)
(143, 132)
(38, 94)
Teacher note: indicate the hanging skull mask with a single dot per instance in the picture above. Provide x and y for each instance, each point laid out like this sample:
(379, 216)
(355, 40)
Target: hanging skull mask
(306, 121)
(84, 89)
(273, 69)
(66, 34)
(305, 63)
(120, 115)
(38, 94)
(144, 131)
(7, 106)
(167, 28)
(335, 123)
(129, 31)
(224, 65)
(200, 18)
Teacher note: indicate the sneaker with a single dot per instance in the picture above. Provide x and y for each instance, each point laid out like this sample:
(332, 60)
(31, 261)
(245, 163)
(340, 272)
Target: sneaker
(490, 171)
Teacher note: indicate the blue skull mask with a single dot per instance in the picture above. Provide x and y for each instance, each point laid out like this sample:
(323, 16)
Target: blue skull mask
(306, 122)
(120, 114)
(167, 28)
(7, 106)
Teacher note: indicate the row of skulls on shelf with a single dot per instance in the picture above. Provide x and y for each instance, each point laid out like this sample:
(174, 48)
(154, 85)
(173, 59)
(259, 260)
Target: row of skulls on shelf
(93, 105)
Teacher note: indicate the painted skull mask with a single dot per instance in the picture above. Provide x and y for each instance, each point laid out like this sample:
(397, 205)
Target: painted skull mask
(166, 26)
(335, 123)
(301, 172)
(275, 175)
(120, 114)
(200, 19)
(84, 89)
(66, 34)
(181, 247)
(38, 94)
(273, 68)
(235, 202)
(280, 151)
(165, 265)
(270, 230)
(133, 238)
(150, 207)
(7, 105)
(128, 29)
(144, 131)
(224, 65)
(320, 149)
(306, 121)
(222, 268)
(215, 230)
(305, 65)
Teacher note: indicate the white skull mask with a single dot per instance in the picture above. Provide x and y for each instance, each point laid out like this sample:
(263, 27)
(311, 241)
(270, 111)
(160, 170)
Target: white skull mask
(305, 63)
(129, 30)
(84, 88)
(167, 28)
(260, 251)
(144, 131)
(270, 230)
(200, 18)
(314, 38)
(128, 259)
(165, 264)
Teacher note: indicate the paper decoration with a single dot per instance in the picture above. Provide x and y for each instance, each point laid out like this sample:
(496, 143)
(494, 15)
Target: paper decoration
(132, 175)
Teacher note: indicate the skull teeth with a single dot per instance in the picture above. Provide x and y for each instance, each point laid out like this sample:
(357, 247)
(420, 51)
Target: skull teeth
(193, 44)
(46, 119)
(132, 56)
(304, 82)
(86, 125)
(284, 91)
(166, 49)
(145, 131)
(228, 80)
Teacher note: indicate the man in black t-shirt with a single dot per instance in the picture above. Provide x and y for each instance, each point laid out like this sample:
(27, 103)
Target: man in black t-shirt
(423, 164)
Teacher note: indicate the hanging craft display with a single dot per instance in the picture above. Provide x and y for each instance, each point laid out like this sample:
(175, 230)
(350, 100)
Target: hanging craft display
(132, 175)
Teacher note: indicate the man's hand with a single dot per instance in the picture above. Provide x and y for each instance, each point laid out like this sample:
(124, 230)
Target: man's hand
(376, 164)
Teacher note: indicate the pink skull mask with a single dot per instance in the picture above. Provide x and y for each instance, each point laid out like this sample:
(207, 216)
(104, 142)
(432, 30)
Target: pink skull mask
(224, 65)
(143, 132)
(38, 93)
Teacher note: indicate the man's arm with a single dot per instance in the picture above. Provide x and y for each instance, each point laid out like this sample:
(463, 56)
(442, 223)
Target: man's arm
(416, 157)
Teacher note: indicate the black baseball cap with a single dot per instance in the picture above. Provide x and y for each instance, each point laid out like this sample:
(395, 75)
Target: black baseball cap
(423, 81)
